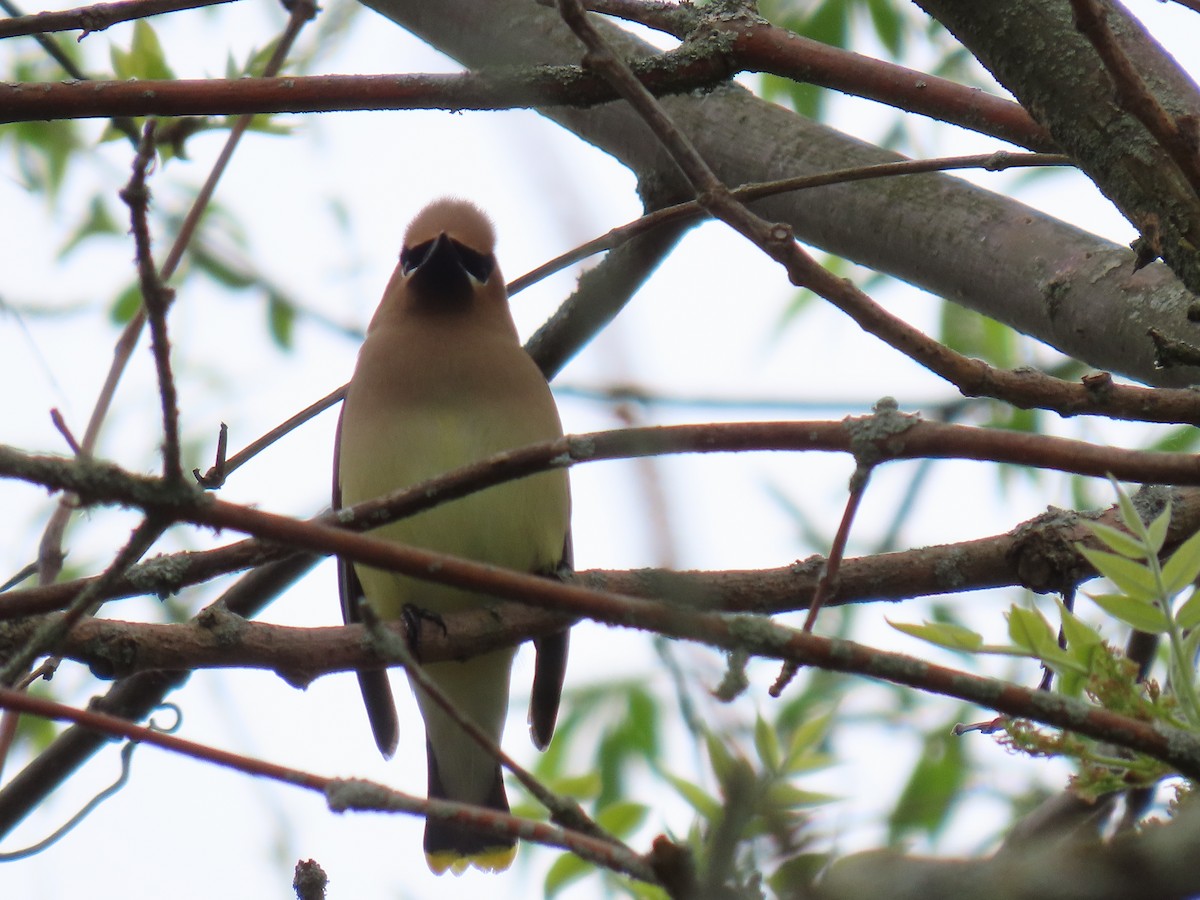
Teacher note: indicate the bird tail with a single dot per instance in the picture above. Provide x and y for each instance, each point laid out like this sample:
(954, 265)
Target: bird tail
(451, 846)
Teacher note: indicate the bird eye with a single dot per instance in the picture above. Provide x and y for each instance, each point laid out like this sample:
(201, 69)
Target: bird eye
(411, 257)
(478, 265)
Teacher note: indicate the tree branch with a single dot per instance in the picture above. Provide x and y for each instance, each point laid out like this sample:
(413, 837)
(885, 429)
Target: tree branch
(97, 17)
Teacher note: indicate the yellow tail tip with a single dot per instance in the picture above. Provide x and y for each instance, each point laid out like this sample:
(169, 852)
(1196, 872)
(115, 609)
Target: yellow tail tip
(496, 859)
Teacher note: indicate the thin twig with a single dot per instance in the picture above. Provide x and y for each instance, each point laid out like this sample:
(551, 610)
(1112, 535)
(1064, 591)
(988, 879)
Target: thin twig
(831, 571)
(536, 87)
(723, 48)
(827, 586)
(156, 298)
(23, 573)
(86, 810)
(988, 562)
(48, 43)
(215, 477)
(61, 425)
(910, 438)
(693, 211)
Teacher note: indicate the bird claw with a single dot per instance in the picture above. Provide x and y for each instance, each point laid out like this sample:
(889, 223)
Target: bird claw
(413, 616)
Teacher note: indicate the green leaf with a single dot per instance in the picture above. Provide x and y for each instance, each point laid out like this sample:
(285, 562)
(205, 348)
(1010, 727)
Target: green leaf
(933, 788)
(1079, 635)
(225, 272)
(639, 890)
(256, 62)
(567, 869)
(829, 23)
(125, 307)
(144, 59)
(1191, 644)
(889, 25)
(943, 634)
(1142, 616)
(1180, 439)
(796, 874)
(1129, 513)
(784, 796)
(802, 746)
(584, 786)
(1121, 542)
(281, 320)
(1183, 567)
(972, 334)
(697, 798)
(1157, 530)
(1188, 615)
(1028, 629)
(766, 742)
(622, 818)
(1133, 578)
(43, 152)
(722, 761)
(98, 221)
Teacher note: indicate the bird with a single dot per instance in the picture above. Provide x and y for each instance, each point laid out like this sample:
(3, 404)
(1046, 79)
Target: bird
(442, 381)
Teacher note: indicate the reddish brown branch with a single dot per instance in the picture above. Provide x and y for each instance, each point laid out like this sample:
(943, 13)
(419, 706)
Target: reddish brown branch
(546, 86)
(759, 46)
(762, 47)
(96, 17)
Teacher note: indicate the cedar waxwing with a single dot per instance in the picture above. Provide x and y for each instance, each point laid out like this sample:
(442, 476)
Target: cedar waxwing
(442, 381)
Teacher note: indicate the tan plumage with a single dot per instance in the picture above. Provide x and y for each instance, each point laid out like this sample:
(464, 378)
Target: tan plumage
(442, 381)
